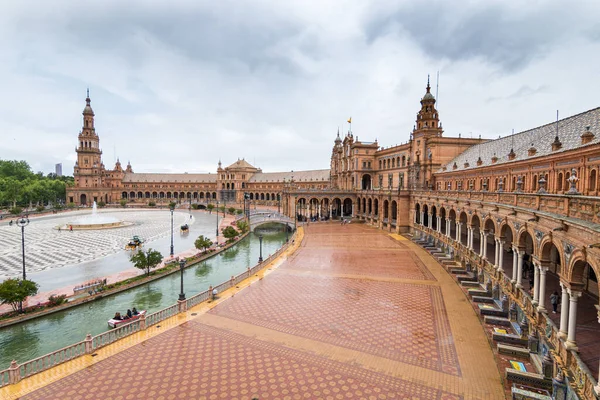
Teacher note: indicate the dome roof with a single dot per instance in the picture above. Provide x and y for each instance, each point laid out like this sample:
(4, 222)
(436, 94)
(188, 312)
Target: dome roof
(88, 109)
(428, 96)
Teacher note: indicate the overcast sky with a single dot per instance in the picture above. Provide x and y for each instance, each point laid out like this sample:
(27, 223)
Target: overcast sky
(177, 86)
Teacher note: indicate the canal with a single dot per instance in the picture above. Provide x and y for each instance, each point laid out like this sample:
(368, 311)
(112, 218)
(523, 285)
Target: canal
(43, 335)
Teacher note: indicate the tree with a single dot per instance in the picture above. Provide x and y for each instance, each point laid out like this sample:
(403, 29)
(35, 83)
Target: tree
(231, 210)
(202, 243)
(230, 233)
(243, 226)
(14, 291)
(210, 207)
(146, 260)
(123, 203)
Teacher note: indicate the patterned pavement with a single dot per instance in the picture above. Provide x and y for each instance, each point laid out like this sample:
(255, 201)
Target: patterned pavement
(351, 324)
(46, 247)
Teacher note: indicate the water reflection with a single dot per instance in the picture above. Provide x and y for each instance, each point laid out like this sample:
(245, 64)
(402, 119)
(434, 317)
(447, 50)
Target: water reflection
(230, 253)
(22, 339)
(147, 298)
(202, 270)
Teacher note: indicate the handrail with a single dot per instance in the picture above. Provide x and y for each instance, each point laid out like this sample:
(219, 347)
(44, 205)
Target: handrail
(49, 360)
(16, 372)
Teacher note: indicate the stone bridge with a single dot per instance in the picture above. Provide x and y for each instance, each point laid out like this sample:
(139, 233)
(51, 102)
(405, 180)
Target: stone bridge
(258, 218)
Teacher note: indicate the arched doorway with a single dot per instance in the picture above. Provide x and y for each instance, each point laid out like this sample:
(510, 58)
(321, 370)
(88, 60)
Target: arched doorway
(83, 199)
(394, 212)
(347, 207)
(417, 213)
(367, 183)
(336, 208)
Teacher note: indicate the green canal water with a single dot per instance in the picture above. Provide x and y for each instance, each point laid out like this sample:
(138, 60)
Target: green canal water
(44, 335)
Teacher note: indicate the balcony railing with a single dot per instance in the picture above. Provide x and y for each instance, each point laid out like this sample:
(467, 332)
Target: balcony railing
(585, 208)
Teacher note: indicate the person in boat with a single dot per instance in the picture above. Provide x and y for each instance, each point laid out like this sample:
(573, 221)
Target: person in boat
(118, 316)
(135, 311)
(129, 314)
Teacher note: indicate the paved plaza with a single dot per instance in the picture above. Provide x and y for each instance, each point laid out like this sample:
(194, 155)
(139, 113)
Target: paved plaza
(46, 247)
(353, 313)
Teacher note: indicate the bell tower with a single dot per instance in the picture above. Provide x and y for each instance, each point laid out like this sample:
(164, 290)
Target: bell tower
(427, 127)
(88, 167)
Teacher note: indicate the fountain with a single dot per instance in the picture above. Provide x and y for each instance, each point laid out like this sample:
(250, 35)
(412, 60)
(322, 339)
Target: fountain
(95, 221)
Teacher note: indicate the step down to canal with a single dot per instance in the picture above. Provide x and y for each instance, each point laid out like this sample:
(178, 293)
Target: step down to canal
(470, 284)
(493, 320)
(457, 271)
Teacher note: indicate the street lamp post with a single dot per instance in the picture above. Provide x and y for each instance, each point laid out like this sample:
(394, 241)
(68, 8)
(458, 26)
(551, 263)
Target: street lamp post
(22, 223)
(181, 267)
(217, 222)
(260, 238)
(295, 211)
(172, 248)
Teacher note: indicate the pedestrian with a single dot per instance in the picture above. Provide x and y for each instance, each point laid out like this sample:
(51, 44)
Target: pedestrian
(214, 294)
(71, 228)
(554, 301)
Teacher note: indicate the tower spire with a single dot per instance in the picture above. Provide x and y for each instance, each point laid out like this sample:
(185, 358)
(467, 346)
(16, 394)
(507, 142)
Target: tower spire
(428, 87)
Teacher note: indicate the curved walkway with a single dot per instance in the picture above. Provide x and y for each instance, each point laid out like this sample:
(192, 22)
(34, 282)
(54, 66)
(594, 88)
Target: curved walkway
(354, 313)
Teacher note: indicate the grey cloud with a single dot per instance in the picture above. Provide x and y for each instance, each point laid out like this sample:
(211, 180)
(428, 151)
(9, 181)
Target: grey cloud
(198, 34)
(522, 92)
(497, 33)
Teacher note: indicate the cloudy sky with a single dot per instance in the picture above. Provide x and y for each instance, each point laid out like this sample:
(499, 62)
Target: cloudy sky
(177, 85)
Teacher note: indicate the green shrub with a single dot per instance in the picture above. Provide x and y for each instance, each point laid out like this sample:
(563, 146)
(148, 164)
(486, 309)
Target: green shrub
(71, 205)
(40, 208)
(101, 204)
(15, 210)
(55, 300)
(151, 204)
(123, 203)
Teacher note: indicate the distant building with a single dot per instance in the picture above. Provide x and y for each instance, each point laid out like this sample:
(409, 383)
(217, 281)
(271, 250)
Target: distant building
(58, 169)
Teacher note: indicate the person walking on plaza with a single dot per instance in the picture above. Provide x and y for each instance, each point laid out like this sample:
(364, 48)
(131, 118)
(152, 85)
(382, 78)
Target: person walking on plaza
(554, 301)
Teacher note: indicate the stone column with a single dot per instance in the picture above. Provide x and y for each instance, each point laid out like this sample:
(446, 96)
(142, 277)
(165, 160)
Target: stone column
(571, 344)
(430, 220)
(514, 267)
(439, 224)
(481, 236)
(564, 312)
(448, 227)
(353, 210)
(484, 245)
(536, 284)
(469, 231)
(495, 253)
(500, 254)
(330, 211)
(542, 293)
(458, 232)
(422, 218)
(520, 268)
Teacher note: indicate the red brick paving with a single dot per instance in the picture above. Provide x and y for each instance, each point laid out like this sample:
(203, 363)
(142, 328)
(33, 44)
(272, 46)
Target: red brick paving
(197, 361)
(337, 320)
(401, 322)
